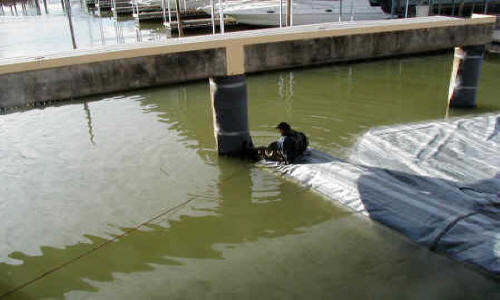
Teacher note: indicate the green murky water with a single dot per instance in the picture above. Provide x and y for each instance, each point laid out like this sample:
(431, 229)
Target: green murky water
(76, 177)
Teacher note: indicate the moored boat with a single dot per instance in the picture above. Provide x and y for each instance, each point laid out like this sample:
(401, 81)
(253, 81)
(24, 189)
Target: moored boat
(267, 13)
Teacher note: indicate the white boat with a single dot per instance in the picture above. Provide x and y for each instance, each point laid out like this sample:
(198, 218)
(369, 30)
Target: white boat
(267, 13)
(184, 4)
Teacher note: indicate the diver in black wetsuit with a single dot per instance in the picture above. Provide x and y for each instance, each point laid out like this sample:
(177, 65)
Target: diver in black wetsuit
(287, 148)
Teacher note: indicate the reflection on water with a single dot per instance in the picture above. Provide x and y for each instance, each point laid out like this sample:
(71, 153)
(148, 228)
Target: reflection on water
(89, 119)
(286, 85)
(22, 34)
(334, 105)
(22, 8)
(238, 217)
(74, 179)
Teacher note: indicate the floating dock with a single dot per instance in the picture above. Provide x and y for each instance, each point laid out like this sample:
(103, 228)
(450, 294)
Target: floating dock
(154, 12)
(460, 8)
(103, 5)
(198, 23)
(90, 3)
(121, 8)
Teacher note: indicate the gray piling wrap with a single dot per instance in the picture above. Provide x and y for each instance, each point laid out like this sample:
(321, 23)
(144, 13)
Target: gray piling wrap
(230, 114)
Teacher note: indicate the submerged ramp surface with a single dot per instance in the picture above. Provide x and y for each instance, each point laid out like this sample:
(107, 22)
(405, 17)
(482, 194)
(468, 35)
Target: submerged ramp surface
(436, 182)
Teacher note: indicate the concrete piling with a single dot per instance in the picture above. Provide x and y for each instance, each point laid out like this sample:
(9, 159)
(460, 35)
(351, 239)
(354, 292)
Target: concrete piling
(68, 14)
(465, 76)
(230, 114)
(38, 9)
(180, 30)
(289, 13)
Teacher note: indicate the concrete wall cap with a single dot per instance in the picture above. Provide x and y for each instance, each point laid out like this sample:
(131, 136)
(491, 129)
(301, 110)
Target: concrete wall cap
(234, 40)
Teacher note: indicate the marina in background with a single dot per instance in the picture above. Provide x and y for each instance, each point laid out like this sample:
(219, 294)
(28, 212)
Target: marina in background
(122, 21)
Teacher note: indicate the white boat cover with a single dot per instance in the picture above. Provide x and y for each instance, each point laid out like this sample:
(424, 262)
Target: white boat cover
(436, 182)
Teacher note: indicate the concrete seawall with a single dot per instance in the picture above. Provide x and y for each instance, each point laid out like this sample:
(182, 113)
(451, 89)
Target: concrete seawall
(80, 73)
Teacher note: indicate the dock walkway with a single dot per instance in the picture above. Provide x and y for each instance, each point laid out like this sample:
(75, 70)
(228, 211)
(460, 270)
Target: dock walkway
(87, 72)
(198, 23)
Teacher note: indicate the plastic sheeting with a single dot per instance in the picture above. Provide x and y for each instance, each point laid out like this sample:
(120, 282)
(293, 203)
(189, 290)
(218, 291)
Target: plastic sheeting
(436, 182)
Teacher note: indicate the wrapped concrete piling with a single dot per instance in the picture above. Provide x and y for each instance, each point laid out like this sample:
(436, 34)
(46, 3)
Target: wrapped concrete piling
(465, 76)
(229, 105)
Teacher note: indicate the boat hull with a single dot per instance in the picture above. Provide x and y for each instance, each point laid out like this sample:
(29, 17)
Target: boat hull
(300, 19)
(303, 13)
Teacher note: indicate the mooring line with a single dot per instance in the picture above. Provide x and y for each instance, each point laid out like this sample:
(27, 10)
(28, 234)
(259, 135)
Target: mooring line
(90, 251)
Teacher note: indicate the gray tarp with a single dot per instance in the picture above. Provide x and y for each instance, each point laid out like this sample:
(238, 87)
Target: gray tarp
(436, 182)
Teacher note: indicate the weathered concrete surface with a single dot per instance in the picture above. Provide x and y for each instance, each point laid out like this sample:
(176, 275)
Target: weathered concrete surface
(24, 81)
(271, 56)
(23, 88)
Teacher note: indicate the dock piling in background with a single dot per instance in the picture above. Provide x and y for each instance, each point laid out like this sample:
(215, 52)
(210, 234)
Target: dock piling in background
(38, 9)
(70, 21)
(179, 19)
(221, 17)
(169, 12)
(281, 13)
(340, 11)
(212, 15)
(288, 12)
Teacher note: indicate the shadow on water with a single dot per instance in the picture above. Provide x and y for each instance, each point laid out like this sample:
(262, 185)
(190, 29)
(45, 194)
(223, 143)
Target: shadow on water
(188, 112)
(239, 217)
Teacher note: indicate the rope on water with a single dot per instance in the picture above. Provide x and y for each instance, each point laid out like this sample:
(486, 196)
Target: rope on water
(90, 251)
(127, 232)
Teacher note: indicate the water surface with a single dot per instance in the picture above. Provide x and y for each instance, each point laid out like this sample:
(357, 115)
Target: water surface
(34, 33)
(77, 176)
